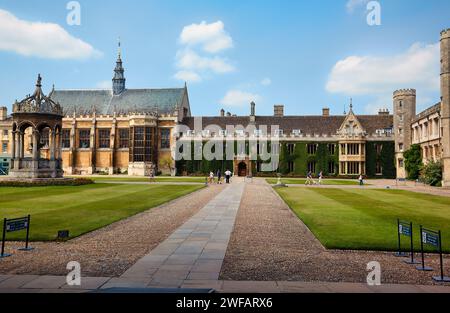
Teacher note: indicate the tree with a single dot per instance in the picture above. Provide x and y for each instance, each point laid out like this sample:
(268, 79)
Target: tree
(432, 173)
(167, 162)
(413, 161)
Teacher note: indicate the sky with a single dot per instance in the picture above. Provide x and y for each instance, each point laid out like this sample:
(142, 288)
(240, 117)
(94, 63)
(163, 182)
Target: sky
(305, 55)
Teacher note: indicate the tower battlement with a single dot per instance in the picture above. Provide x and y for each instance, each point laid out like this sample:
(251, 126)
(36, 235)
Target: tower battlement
(405, 92)
(445, 33)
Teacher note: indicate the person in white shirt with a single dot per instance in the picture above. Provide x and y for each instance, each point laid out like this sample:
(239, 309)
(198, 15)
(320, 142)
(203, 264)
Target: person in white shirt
(228, 176)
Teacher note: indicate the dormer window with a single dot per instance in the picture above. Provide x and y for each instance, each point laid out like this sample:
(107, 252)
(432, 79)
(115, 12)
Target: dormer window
(223, 133)
(296, 132)
(190, 133)
(206, 133)
(240, 132)
(278, 133)
(258, 133)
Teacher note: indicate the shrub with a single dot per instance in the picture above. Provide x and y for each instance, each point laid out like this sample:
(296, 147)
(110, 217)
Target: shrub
(431, 173)
(49, 182)
(413, 162)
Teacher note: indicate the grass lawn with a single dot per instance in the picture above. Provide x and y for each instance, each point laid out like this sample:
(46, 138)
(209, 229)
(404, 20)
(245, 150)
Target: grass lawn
(146, 179)
(81, 209)
(367, 219)
(302, 181)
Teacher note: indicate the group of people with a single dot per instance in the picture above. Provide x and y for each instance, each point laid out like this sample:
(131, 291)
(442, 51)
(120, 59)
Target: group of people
(310, 179)
(220, 177)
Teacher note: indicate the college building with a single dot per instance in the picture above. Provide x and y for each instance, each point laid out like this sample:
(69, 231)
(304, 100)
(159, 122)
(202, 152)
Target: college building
(136, 131)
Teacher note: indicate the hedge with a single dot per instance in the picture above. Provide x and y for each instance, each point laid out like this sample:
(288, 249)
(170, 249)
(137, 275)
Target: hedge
(49, 182)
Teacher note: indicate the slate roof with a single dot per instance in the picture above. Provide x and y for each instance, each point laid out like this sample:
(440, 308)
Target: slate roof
(83, 102)
(312, 125)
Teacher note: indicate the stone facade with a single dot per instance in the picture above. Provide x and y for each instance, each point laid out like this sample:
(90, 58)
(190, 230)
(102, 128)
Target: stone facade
(430, 128)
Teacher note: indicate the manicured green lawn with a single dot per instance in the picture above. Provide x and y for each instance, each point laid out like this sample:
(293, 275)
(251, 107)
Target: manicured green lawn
(367, 219)
(302, 181)
(82, 209)
(146, 179)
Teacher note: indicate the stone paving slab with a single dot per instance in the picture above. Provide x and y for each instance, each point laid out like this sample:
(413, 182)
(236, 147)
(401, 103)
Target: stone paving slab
(196, 250)
(46, 282)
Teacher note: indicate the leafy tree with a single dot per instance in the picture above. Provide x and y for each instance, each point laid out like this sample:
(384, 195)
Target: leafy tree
(413, 161)
(432, 173)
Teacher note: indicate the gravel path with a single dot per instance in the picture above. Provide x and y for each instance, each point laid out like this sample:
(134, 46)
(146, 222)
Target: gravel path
(110, 251)
(270, 243)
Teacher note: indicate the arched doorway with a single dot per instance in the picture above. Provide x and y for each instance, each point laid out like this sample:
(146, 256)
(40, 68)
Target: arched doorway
(242, 169)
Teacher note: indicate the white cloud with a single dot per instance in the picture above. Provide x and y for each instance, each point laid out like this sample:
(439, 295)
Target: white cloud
(198, 55)
(44, 40)
(104, 84)
(235, 98)
(266, 82)
(188, 76)
(352, 5)
(212, 37)
(190, 60)
(418, 68)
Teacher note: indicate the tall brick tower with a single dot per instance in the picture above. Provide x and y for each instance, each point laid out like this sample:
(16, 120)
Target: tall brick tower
(445, 104)
(404, 113)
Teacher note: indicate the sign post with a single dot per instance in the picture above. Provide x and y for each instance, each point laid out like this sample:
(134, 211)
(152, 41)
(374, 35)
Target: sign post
(3, 255)
(400, 231)
(434, 238)
(423, 240)
(14, 225)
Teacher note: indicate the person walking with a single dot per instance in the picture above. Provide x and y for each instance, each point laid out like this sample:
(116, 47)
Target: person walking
(211, 178)
(320, 177)
(309, 179)
(219, 177)
(227, 176)
(152, 175)
(361, 180)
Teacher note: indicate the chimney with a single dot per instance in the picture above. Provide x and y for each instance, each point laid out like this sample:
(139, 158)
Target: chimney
(222, 113)
(326, 112)
(278, 110)
(383, 112)
(252, 109)
(3, 113)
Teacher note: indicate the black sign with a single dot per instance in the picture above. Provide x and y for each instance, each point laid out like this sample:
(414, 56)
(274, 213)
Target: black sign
(16, 225)
(404, 229)
(430, 238)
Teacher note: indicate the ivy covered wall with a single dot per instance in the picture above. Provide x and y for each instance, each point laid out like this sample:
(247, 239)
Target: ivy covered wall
(300, 159)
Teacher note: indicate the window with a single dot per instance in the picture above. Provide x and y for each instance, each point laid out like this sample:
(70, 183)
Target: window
(400, 147)
(124, 138)
(296, 132)
(84, 137)
(401, 163)
(223, 133)
(104, 138)
(44, 138)
(190, 133)
(165, 138)
(378, 149)
(65, 139)
(331, 148)
(343, 149)
(400, 104)
(400, 117)
(240, 132)
(279, 133)
(142, 144)
(312, 148)
(353, 168)
(205, 133)
(275, 148)
(5, 148)
(400, 131)
(353, 149)
(291, 149)
(331, 168)
(258, 133)
(312, 167)
(378, 168)
(5, 132)
(291, 167)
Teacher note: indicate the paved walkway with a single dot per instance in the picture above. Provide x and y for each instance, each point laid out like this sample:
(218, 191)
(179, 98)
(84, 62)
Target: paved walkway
(195, 251)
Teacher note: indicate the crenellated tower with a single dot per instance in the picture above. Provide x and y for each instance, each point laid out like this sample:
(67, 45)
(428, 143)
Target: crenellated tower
(404, 113)
(445, 104)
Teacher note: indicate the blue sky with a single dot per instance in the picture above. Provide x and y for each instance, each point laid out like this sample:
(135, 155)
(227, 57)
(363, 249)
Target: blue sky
(303, 54)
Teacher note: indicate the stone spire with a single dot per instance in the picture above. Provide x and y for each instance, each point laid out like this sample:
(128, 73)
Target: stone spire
(119, 76)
